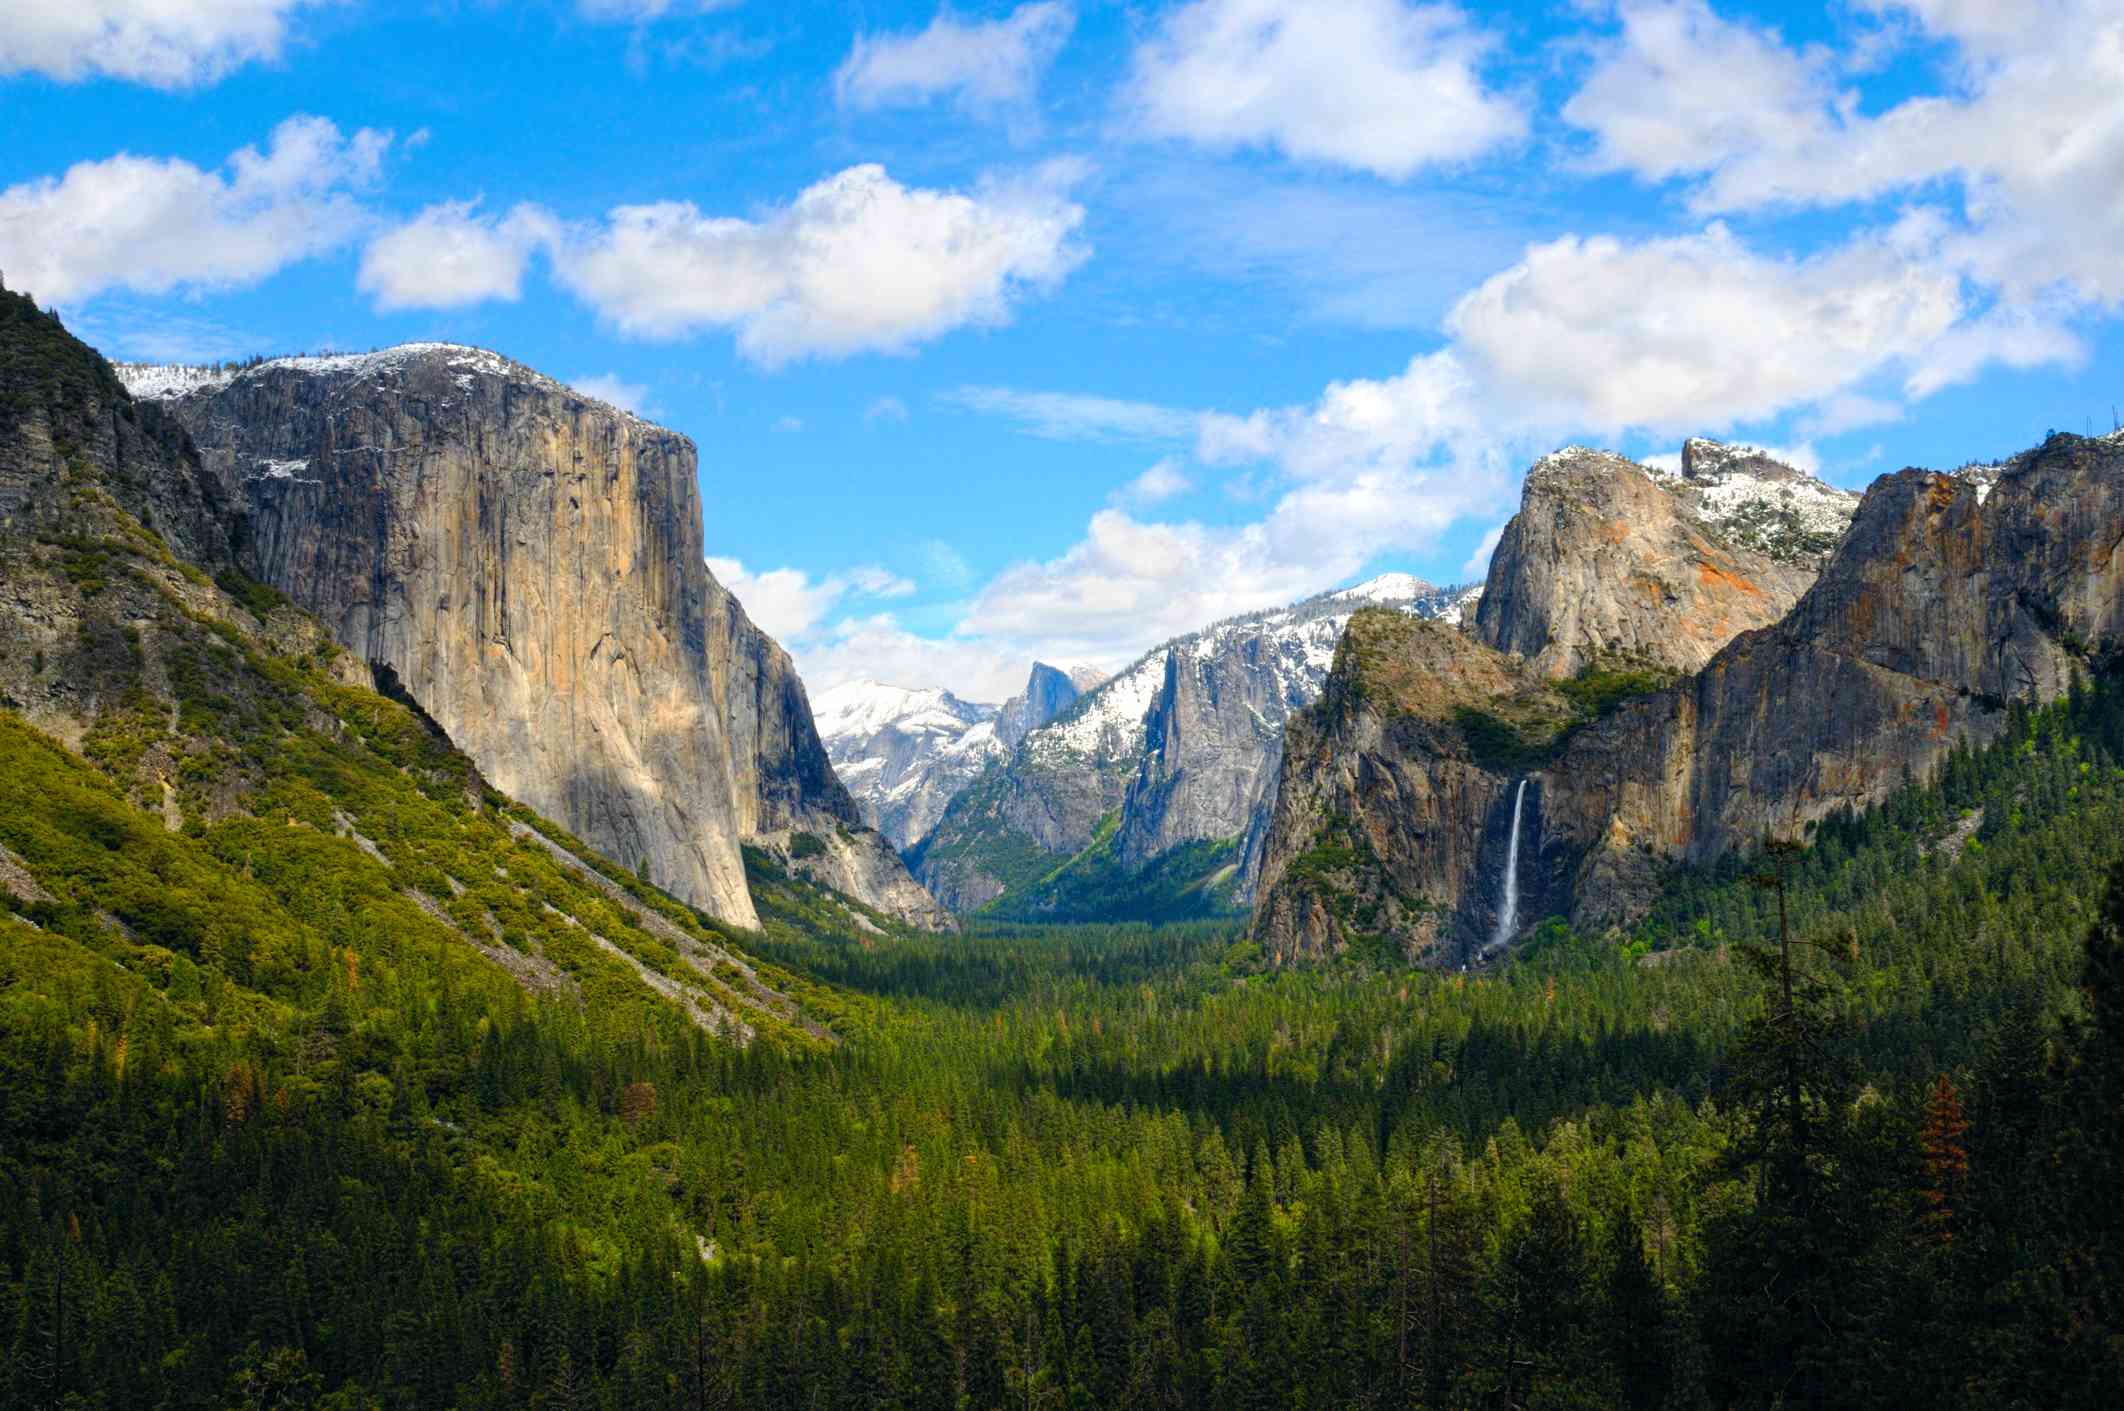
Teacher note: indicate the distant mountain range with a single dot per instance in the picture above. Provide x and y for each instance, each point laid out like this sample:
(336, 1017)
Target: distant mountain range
(1135, 796)
(904, 751)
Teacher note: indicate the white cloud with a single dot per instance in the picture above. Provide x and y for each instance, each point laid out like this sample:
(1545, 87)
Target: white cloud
(152, 224)
(2031, 126)
(789, 425)
(1478, 562)
(1698, 332)
(875, 581)
(1161, 482)
(789, 604)
(1069, 416)
(165, 43)
(1682, 91)
(784, 603)
(611, 387)
(857, 263)
(1377, 85)
(879, 648)
(450, 255)
(644, 11)
(984, 64)
(890, 409)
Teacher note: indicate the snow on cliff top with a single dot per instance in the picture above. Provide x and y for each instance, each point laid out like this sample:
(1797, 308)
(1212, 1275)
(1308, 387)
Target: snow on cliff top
(163, 381)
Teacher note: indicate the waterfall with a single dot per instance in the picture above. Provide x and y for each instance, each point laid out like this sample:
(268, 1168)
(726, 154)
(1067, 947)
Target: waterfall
(1508, 910)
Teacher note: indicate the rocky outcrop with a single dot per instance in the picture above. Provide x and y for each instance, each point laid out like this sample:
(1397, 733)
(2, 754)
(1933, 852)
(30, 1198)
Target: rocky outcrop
(527, 561)
(789, 800)
(1392, 811)
(1948, 598)
(1048, 692)
(904, 752)
(1609, 560)
(1179, 748)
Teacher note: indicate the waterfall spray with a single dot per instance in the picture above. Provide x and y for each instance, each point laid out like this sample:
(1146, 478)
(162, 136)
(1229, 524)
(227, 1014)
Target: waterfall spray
(1508, 910)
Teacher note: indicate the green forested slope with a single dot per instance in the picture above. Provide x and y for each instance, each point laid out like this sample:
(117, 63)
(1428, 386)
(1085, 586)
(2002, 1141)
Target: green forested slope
(316, 1091)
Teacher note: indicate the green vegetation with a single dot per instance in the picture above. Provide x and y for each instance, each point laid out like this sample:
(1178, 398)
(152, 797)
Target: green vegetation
(1193, 880)
(1520, 734)
(972, 839)
(1098, 1161)
(330, 1079)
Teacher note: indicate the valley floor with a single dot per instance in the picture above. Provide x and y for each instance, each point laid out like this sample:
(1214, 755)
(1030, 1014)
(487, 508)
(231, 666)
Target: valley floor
(264, 1145)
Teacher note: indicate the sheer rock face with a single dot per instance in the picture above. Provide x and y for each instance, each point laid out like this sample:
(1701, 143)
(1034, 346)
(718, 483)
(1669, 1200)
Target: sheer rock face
(789, 799)
(528, 561)
(1386, 827)
(1948, 598)
(1213, 736)
(1048, 692)
(1608, 558)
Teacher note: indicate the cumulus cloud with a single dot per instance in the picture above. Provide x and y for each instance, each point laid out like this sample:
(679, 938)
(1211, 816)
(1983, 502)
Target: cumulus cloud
(1681, 92)
(610, 387)
(1687, 334)
(451, 255)
(1376, 85)
(155, 224)
(984, 64)
(164, 43)
(1698, 331)
(2029, 127)
(792, 606)
(1161, 482)
(857, 263)
(890, 409)
(878, 647)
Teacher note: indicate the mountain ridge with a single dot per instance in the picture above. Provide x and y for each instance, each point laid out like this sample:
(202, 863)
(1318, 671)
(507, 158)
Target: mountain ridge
(1947, 598)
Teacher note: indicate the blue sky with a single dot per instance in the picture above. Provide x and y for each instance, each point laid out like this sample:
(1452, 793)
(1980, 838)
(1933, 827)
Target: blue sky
(1057, 328)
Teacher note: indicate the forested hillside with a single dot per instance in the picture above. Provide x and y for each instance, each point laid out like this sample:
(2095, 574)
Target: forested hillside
(333, 1078)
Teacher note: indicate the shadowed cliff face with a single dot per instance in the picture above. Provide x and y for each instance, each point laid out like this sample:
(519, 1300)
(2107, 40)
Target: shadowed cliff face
(528, 561)
(789, 800)
(1391, 814)
(1948, 598)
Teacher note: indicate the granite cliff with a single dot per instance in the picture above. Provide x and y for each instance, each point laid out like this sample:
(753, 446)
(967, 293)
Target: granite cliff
(283, 824)
(1148, 794)
(527, 562)
(1947, 598)
(906, 752)
(1609, 558)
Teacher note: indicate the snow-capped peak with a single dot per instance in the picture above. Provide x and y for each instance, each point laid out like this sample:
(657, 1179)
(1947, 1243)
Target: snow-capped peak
(865, 708)
(1387, 588)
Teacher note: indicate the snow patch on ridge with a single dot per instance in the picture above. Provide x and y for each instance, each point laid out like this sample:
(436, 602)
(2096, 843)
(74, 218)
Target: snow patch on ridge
(167, 381)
